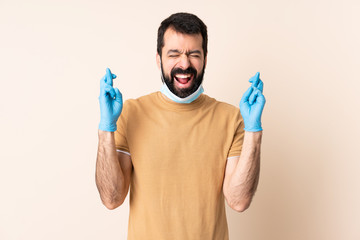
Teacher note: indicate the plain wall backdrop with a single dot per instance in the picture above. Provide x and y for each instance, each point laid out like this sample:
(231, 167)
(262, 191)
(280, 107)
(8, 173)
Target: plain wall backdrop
(54, 53)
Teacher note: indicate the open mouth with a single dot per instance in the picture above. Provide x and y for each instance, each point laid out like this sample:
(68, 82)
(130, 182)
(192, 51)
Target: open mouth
(184, 79)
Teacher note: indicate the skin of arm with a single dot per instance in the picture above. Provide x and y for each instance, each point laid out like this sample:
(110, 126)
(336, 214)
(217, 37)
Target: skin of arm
(242, 173)
(113, 171)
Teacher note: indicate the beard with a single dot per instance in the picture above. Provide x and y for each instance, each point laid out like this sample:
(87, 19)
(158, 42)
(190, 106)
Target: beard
(183, 92)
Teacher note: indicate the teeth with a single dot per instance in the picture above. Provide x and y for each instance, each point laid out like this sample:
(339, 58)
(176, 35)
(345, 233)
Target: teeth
(183, 75)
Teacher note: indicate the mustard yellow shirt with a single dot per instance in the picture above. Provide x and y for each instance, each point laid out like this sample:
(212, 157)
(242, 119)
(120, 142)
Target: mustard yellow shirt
(179, 153)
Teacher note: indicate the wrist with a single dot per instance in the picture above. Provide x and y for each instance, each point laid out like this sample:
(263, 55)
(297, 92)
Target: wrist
(255, 134)
(108, 127)
(105, 134)
(253, 127)
(106, 139)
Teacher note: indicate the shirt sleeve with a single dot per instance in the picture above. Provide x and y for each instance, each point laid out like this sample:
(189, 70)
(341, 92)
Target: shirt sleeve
(238, 137)
(120, 134)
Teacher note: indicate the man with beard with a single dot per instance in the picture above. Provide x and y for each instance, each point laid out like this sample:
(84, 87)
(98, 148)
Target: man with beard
(182, 152)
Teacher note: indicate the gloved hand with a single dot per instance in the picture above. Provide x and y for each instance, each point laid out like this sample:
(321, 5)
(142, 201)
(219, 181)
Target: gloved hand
(252, 104)
(111, 103)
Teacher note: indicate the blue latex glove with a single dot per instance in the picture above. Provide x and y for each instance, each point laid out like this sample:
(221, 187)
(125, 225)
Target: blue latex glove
(111, 103)
(252, 104)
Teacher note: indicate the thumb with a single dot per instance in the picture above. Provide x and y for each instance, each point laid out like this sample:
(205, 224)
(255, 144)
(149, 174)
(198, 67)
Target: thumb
(109, 90)
(253, 96)
(246, 95)
(118, 95)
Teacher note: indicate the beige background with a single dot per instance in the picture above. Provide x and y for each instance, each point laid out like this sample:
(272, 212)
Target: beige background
(53, 54)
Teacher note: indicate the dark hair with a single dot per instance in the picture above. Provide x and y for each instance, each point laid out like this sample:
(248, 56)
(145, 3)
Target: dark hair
(186, 23)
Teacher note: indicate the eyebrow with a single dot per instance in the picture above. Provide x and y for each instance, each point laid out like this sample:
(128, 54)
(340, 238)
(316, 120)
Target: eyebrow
(188, 53)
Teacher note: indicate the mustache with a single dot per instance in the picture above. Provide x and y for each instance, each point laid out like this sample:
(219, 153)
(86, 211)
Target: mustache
(189, 70)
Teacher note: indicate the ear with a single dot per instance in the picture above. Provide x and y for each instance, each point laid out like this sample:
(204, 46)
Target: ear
(158, 60)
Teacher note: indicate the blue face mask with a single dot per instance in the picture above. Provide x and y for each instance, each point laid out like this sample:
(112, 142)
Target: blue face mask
(166, 91)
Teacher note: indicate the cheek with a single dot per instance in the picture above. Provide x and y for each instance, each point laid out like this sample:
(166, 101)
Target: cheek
(168, 67)
(197, 63)
(199, 67)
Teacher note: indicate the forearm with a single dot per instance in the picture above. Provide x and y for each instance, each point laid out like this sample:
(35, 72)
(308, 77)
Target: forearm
(109, 176)
(244, 179)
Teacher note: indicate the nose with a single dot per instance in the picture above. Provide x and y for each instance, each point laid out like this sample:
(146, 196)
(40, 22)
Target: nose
(184, 62)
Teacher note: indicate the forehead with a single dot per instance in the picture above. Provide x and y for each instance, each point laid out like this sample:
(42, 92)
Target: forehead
(181, 41)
